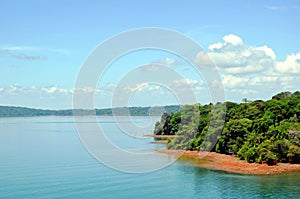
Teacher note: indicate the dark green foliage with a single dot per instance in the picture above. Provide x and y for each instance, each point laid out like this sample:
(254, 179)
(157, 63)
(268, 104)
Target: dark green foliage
(168, 125)
(257, 131)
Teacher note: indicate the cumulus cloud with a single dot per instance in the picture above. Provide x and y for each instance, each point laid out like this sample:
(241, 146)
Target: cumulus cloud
(251, 71)
(290, 65)
(230, 81)
(185, 83)
(234, 57)
(233, 40)
(245, 70)
(260, 84)
(268, 51)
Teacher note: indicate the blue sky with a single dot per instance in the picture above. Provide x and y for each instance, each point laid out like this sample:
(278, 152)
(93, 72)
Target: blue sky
(255, 45)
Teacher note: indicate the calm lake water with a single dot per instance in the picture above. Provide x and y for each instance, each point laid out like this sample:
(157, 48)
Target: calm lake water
(42, 157)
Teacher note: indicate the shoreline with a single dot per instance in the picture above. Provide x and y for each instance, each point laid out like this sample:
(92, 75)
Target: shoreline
(228, 163)
(165, 137)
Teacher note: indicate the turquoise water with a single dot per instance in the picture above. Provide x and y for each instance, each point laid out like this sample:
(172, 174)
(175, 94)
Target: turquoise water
(43, 157)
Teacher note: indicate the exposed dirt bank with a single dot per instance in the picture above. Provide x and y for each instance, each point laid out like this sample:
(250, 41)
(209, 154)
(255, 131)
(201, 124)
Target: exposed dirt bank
(232, 164)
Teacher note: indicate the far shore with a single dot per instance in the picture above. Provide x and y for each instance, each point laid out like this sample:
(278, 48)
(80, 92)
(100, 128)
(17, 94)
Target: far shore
(229, 163)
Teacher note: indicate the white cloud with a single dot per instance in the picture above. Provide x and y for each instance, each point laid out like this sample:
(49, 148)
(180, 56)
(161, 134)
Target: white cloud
(14, 88)
(290, 65)
(268, 51)
(53, 97)
(233, 39)
(168, 61)
(234, 57)
(56, 89)
(17, 89)
(144, 87)
(230, 81)
(216, 84)
(258, 87)
(244, 69)
(141, 86)
(154, 88)
(179, 85)
(250, 71)
(215, 46)
(185, 84)
(87, 90)
(244, 91)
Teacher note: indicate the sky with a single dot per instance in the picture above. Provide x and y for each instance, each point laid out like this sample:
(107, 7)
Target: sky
(255, 46)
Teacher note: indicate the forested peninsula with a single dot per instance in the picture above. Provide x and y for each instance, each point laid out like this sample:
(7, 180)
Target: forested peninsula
(255, 131)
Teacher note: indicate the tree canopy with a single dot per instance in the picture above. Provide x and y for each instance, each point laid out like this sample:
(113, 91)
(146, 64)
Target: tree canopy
(257, 131)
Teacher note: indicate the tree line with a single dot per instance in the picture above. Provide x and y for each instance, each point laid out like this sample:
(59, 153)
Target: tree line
(12, 111)
(257, 131)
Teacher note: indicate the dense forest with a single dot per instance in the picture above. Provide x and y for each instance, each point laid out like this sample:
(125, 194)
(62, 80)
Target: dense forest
(257, 131)
(11, 111)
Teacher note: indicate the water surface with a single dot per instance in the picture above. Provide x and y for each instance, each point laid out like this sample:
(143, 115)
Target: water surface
(42, 157)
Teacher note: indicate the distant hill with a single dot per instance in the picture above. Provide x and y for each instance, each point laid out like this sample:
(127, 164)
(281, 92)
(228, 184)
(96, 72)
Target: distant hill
(12, 111)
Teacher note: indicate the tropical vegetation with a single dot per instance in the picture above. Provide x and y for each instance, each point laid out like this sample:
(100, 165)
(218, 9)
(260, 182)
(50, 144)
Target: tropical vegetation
(257, 131)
